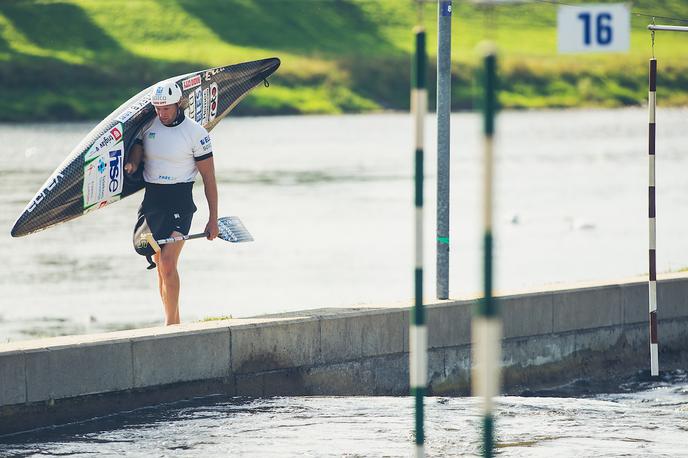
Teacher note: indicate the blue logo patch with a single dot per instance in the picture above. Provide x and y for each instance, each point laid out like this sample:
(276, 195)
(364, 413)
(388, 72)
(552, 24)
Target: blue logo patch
(101, 166)
(151, 134)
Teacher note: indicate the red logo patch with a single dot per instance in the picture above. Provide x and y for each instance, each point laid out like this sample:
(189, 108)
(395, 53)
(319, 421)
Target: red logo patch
(191, 82)
(116, 134)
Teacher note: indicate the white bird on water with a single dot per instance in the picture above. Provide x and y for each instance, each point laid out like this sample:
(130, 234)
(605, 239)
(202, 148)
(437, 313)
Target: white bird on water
(580, 224)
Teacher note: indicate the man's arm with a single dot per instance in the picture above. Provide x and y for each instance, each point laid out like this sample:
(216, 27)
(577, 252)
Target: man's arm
(206, 168)
(134, 159)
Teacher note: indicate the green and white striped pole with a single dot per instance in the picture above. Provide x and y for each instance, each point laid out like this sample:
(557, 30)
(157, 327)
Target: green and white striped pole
(418, 336)
(487, 325)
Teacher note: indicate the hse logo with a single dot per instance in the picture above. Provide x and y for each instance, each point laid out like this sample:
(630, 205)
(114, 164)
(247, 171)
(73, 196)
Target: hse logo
(115, 170)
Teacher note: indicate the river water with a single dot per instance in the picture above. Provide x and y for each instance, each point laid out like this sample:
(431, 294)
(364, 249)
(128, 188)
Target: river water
(640, 418)
(329, 202)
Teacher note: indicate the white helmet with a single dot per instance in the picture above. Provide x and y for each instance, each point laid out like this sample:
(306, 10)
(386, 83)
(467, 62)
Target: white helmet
(166, 93)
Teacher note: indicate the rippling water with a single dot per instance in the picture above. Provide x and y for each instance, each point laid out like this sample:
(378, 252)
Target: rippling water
(329, 201)
(642, 418)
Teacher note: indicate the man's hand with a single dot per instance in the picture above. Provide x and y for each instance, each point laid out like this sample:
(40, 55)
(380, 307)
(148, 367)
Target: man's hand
(130, 168)
(211, 229)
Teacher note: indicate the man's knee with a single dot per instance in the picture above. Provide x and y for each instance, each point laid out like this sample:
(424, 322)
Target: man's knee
(167, 265)
(167, 258)
(166, 269)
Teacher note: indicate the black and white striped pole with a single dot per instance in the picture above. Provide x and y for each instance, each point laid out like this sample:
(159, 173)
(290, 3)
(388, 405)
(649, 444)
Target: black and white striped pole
(487, 326)
(418, 337)
(652, 286)
(652, 281)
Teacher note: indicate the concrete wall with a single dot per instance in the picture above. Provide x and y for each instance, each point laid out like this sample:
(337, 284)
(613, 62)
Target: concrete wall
(550, 338)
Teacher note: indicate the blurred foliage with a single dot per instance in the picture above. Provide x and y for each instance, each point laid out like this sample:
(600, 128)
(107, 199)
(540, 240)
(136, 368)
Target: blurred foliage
(76, 59)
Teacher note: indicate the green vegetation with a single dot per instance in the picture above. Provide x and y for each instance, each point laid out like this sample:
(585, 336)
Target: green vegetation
(76, 59)
(215, 318)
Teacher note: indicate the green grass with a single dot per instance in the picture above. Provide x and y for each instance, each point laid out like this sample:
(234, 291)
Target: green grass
(338, 56)
(215, 318)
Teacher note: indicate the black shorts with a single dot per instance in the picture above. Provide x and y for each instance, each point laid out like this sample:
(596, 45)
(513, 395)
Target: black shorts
(168, 208)
(175, 198)
(162, 224)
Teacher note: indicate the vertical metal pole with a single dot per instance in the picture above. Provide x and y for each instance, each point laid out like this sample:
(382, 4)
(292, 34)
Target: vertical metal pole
(487, 325)
(652, 286)
(418, 337)
(444, 10)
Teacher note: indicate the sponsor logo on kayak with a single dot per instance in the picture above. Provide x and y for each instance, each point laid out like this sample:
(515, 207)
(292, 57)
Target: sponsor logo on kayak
(116, 133)
(110, 138)
(192, 105)
(213, 101)
(199, 105)
(191, 83)
(134, 109)
(115, 171)
(101, 204)
(210, 73)
(104, 177)
(49, 186)
(206, 106)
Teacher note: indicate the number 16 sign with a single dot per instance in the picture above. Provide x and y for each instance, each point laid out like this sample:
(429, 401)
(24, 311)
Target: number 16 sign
(594, 28)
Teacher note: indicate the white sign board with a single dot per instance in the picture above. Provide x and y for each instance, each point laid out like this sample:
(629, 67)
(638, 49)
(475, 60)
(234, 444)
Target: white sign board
(594, 28)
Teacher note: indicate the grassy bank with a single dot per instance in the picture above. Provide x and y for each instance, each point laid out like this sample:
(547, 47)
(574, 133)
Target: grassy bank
(76, 59)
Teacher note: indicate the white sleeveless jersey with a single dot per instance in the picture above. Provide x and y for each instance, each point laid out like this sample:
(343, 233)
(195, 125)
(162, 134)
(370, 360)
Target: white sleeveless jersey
(171, 153)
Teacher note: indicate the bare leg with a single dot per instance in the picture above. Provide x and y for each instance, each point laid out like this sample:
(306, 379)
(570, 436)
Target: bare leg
(168, 278)
(156, 259)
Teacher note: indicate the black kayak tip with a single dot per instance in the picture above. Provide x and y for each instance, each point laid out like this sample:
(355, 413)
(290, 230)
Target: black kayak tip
(18, 230)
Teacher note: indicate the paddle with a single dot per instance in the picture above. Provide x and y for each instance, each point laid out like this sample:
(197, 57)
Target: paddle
(231, 230)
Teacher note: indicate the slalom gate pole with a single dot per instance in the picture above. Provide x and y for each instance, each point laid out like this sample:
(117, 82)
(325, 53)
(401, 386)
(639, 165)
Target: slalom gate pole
(487, 325)
(652, 282)
(418, 337)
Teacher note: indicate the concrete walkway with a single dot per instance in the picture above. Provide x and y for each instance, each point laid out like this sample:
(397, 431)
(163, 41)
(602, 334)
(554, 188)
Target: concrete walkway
(550, 337)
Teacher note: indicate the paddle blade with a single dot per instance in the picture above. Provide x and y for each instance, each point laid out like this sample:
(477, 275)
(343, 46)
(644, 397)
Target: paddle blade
(233, 230)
